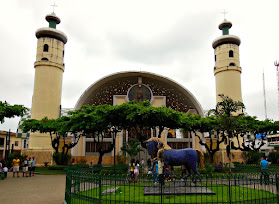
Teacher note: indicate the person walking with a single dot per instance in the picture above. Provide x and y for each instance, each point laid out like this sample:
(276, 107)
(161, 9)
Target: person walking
(264, 170)
(16, 164)
(33, 165)
(136, 171)
(155, 171)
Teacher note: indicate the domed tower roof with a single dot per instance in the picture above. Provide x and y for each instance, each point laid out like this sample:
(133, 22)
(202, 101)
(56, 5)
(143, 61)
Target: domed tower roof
(51, 31)
(226, 38)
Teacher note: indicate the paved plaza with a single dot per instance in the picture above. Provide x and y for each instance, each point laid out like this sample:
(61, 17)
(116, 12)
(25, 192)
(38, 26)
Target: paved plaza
(35, 189)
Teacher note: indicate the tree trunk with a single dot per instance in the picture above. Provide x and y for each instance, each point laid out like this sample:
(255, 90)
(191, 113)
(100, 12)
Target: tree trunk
(101, 154)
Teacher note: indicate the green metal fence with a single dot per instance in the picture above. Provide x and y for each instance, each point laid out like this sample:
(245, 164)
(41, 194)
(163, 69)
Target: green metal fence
(253, 168)
(84, 185)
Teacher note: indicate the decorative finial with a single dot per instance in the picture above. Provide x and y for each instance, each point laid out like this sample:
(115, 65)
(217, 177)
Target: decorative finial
(53, 6)
(276, 64)
(224, 12)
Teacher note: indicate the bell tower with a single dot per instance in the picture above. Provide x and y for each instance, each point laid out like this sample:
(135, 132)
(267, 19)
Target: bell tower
(49, 67)
(227, 68)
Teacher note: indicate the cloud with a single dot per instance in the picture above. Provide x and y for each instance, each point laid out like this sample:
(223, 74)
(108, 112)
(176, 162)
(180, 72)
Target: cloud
(180, 41)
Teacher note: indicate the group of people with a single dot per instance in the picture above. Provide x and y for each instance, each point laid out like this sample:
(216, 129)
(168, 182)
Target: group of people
(134, 170)
(160, 171)
(28, 167)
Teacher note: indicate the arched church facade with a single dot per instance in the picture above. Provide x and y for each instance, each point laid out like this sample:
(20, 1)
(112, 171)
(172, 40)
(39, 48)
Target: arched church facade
(123, 87)
(119, 88)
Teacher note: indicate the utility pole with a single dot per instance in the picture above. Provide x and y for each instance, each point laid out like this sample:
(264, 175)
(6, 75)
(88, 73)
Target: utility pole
(277, 70)
(7, 146)
(264, 97)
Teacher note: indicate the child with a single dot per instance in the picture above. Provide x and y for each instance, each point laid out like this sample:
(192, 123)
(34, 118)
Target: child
(132, 169)
(5, 169)
(167, 173)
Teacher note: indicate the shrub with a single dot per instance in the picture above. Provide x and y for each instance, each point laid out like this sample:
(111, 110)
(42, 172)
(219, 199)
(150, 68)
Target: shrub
(202, 171)
(274, 157)
(236, 164)
(252, 157)
(210, 168)
(118, 169)
(226, 169)
(56, 167)
(81, 160)
(61, 159)
(121, 159)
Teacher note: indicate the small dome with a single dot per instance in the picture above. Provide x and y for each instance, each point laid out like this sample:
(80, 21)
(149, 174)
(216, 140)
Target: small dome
(52, 16)
(225, 23)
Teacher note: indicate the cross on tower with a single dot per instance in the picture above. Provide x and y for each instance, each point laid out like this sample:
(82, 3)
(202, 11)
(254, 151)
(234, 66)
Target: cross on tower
(53, 6)
(224, 12)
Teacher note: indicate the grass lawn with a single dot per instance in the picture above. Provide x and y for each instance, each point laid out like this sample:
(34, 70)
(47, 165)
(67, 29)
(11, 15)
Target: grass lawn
(134, 194)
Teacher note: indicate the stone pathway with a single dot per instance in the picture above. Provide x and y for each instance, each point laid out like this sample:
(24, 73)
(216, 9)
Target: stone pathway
(35, 189)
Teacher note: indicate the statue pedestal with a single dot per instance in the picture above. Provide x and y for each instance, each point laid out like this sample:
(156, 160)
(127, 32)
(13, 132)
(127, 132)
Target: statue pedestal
(178, 188)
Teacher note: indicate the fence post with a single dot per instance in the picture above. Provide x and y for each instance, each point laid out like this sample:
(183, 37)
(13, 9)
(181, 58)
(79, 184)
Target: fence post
(68, 187)
(100, 189)
(230, 196)
(277, 187)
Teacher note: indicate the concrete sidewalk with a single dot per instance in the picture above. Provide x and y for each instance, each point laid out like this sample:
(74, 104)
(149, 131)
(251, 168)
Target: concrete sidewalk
(35, 189)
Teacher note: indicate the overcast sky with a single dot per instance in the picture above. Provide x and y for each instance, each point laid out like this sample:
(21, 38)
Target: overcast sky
(172, 38)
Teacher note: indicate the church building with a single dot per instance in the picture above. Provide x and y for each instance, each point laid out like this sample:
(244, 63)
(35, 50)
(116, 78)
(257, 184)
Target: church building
(118, 88)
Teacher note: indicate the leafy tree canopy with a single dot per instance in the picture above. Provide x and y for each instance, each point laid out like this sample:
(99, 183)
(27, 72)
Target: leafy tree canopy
(8, 111)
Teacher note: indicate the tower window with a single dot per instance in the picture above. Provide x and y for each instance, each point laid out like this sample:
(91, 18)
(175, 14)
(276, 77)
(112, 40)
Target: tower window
(215, 58)
(230, 53)
(44, 59)
(45, 47)
(232, 64)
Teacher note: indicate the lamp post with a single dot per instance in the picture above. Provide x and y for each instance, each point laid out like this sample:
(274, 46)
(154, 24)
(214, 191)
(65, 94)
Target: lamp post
(7, 146)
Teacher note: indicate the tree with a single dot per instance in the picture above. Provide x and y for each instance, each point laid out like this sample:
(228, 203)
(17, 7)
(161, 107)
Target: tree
(99, 122)
(132, 148)
(8, 111)
(255, 132)
(142, 117)
(105, 120)
(58, 129)
(227, 112)
(274, 157)
(227, 125)
(210, 125)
